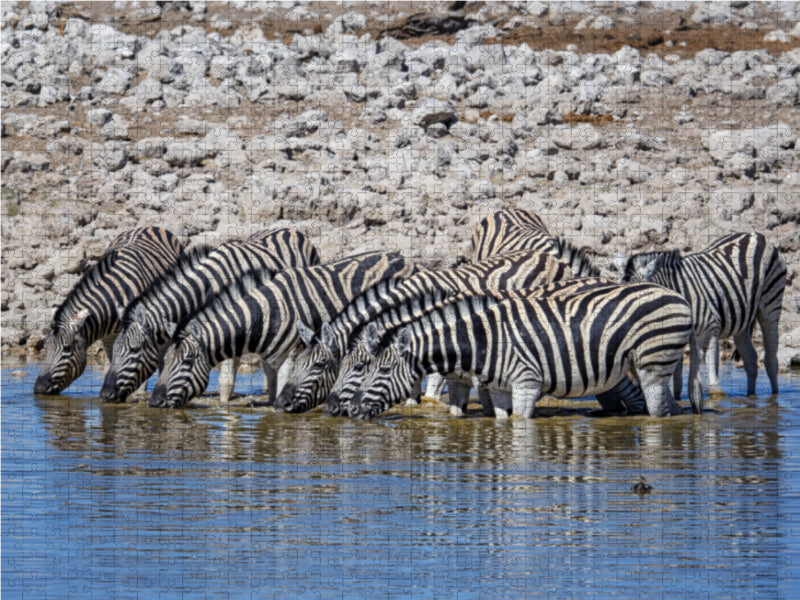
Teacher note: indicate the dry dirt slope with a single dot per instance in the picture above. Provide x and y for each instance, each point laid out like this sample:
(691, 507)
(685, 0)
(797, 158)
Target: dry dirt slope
(626, 126)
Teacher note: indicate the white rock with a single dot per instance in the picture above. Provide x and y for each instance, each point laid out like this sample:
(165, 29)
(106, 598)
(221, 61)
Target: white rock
(430, 110)
(779, 36)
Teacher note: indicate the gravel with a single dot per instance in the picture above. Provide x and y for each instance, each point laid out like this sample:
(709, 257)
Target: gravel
(216, 122)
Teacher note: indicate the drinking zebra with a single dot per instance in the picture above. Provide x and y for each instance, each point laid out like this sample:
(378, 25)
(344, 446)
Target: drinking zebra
(316, 368)
(355, 365)
(90, 311)
(554, 341)
(149, 321)
(261, 317)
(730, 285)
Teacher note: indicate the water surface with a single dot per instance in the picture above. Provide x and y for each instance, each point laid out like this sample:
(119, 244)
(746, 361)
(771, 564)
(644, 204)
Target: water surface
(123, 501)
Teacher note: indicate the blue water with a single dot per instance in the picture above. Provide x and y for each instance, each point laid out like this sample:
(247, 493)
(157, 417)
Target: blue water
(111, 501)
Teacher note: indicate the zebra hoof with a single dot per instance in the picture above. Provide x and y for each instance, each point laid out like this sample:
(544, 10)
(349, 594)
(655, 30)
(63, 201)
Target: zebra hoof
(500, 413)
(717, 395)
(456, 411)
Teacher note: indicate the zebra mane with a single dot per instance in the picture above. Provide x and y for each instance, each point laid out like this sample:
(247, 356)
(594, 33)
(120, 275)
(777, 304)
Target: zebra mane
(576, 258)
(187, 262)
(89, 280)
(665, 257)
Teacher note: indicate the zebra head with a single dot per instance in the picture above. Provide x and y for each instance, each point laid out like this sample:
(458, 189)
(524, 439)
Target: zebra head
(185, 372)
(351, 375)
(315, 370)
(134, 358)
(390, 378)
(64, 355)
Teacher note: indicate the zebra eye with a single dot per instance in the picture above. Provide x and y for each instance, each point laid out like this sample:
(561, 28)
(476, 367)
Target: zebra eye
(385, 369)
(68, 348)
(359, 366)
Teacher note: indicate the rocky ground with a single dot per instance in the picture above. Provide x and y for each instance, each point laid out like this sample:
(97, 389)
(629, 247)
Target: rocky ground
(626, 126)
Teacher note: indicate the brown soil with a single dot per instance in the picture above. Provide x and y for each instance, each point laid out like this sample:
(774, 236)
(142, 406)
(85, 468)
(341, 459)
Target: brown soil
(662, 33)
(652, 30)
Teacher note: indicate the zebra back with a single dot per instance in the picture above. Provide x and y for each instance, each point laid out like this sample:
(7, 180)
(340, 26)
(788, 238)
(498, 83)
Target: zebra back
(288, 246)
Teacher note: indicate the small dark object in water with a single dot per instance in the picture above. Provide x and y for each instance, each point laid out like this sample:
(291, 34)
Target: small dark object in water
(641, 489)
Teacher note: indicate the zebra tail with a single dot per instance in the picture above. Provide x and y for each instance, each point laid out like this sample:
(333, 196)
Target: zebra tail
(695, 384)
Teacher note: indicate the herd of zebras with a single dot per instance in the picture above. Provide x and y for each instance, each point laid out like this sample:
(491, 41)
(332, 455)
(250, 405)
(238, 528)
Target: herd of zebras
(529, 316)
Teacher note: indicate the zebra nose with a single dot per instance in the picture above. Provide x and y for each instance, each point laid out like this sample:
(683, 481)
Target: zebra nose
(110, 390)
(333, 405)
(44, 385)
(159, 397)
(285, 400)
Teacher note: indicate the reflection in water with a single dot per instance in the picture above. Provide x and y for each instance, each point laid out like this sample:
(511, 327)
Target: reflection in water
(113, 500)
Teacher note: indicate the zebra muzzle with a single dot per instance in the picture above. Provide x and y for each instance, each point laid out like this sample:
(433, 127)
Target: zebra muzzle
(44, 385)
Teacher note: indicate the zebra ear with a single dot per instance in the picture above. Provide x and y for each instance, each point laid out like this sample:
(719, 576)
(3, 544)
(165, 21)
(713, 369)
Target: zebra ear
(648, 270)
(402, 343)
(169, 327)
(306, 335)
(620, 262)
(327, 335)
(120, 311)
(371, 338)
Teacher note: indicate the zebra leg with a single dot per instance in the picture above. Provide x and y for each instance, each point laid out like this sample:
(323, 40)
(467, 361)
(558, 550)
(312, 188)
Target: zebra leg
(524, 398)
(712, 366)
(660, 402)
(284, 372)
(416, 391)
(677, 380)
(486, 400)
(227, 378)
(435, 386)
(501, 400)
(769, 329)
(458, 393)
(749, 357)
(270, 387)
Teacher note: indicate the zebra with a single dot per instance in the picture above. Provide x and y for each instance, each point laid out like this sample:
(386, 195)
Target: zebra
(90, 312)
(260, 317)
(516, 229)
(149, 321)
(317, 366)
(730, 285)
(355, 364)
(553, 341)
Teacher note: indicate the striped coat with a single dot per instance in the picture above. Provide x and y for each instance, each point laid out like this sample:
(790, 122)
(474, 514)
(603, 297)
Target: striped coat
(317, 367)
(90, 311)
(554, 341)
(149, 321)
(261, 317)
(730, 285)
